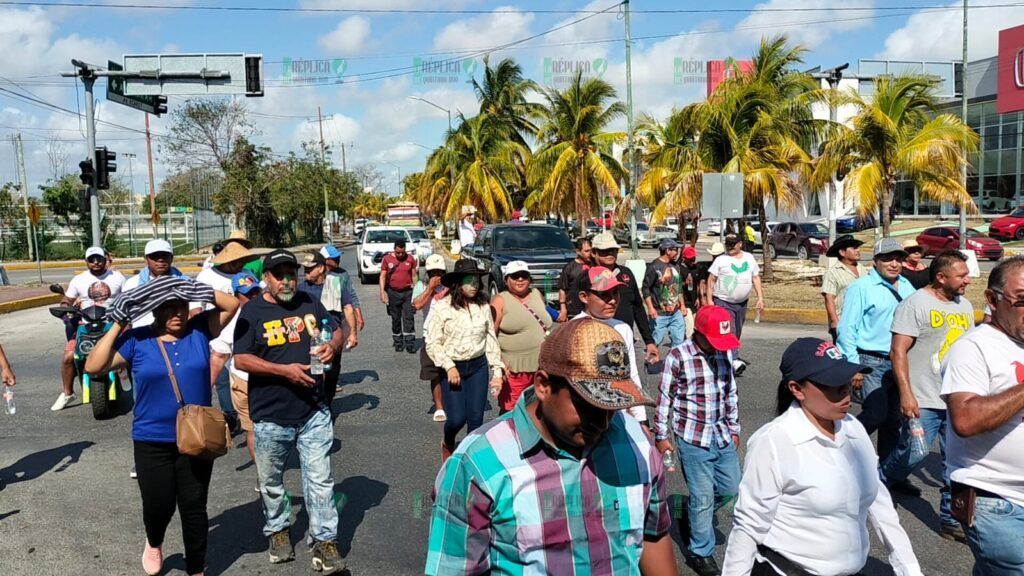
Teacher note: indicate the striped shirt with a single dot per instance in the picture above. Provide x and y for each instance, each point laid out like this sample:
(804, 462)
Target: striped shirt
(700, 391)
(508, 502)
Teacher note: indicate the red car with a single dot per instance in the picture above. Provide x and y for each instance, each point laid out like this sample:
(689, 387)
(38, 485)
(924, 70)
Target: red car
(1008, 227)
(940, 238)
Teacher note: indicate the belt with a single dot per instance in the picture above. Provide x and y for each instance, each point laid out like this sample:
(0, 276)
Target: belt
(882, 355)
(987, 494)
(400, 289)
(779, 561)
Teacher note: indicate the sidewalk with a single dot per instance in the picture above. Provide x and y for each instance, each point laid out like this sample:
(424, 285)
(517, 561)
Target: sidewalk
(14, 298)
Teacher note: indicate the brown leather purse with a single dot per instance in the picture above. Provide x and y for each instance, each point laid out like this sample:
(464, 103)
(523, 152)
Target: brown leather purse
(202, 431)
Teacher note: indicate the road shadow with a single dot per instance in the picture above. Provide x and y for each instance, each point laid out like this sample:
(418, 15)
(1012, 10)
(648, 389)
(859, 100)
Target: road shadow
(352, 402)
(233, 534)
(358, 376)
(358, 495)
(35, 465)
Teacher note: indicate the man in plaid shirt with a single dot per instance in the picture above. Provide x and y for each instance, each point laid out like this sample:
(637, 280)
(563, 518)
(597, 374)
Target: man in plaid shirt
(565, 483)
(698, 387)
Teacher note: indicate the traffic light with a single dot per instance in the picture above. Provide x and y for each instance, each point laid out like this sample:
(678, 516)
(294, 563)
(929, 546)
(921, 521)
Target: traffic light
(86, 167)
(159, 105)
(104, 166)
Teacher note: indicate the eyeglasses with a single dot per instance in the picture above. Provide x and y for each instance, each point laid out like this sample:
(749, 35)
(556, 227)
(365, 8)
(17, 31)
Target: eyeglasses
(520, 276)
(1001, 294)
(606, 295)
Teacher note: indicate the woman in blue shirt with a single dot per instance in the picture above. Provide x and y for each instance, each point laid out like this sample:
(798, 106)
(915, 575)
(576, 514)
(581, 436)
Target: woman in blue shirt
(168, 479)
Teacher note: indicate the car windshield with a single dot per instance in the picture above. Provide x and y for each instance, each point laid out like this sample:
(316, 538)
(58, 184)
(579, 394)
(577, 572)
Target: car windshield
(1018, 213)
(641, 226)
(416, 234)
(385, 236)
(813, 228)
(531, 238)
(663, 229)
(972, 233)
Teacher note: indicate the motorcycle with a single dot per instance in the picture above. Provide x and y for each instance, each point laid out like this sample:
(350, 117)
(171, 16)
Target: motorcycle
(89, 325)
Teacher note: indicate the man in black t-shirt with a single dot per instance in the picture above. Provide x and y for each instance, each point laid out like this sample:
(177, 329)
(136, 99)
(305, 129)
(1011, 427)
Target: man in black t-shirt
(570, 281)
(273, 338)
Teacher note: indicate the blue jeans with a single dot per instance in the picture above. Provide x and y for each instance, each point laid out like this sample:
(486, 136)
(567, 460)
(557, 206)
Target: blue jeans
(464, 405)
(223, 387)
(712, 479)
(902, 461)
(995, 539)
(273, 445)
(671, 323)
(880, 404)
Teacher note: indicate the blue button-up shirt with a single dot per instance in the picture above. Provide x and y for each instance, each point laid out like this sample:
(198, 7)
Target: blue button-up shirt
(866, 320)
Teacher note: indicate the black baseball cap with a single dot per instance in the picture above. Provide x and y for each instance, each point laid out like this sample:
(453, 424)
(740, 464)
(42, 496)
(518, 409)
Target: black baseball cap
(820, 362)
(279, 257)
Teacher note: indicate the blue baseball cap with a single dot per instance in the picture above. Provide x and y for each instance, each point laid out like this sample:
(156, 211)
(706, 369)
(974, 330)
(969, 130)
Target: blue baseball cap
(669, 244)
(244, 282)
(820, 362)
(329, 251)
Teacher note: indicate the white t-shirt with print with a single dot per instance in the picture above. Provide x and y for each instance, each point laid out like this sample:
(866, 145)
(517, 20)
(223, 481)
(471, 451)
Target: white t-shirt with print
(80, 284)
(735, 276)
(986, 362)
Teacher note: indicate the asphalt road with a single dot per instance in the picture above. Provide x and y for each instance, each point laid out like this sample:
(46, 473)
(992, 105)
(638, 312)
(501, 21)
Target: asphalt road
(67, 505)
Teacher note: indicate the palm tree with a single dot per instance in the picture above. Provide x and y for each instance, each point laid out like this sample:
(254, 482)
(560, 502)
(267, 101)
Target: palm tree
(671, 154)
(371, 205)
(574, 166)
(897, 133)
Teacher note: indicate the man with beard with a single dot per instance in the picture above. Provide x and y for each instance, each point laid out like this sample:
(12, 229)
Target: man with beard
(273, 338)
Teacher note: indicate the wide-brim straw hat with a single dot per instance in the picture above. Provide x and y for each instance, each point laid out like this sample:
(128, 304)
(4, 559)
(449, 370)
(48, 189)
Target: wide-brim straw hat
(232, 252)
(239, 237)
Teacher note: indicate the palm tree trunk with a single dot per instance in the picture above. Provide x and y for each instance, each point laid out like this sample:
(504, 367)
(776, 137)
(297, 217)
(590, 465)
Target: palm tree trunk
(578, 197)
(887, 194)
(681, 221)
(766, 270)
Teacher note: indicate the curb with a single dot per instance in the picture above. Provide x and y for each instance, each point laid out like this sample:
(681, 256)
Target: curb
(807, 316)
(26, 303)
(81, 263)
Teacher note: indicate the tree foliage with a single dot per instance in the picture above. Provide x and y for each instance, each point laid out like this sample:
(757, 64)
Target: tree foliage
(204, 131)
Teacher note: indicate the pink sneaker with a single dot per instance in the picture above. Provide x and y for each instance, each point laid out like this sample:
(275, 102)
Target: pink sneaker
(152, 559)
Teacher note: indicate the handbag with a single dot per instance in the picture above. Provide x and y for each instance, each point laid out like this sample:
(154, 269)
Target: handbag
(201, 431)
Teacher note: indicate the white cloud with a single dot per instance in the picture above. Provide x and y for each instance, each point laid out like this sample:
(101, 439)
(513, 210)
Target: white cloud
(492, 29)
(939, 35)
(348, 37)
(809, 28)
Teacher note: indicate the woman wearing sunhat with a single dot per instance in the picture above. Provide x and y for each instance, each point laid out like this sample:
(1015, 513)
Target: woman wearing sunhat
(460, 339)
(522, 321)
(810, 482)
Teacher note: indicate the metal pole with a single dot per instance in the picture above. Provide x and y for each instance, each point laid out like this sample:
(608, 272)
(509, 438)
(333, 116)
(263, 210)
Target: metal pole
(833, 197)
(152, 186)
(634, 168)
(23, 184)
(39, 264)
(131, 203)
(323, 159)
(963, 117)
(88, 79)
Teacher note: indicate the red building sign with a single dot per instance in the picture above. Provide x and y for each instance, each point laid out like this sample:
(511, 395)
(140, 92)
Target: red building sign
(719, 70)
(1010, 95)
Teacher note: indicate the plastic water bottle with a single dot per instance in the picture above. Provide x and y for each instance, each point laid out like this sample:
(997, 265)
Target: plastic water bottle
(9, 399)
(316, 367)
(917, 444)
(757, 316)
(668, 461)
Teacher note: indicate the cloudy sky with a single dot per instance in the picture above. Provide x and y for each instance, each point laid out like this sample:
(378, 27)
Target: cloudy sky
(374, 54)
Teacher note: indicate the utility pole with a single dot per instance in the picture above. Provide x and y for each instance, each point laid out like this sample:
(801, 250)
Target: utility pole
(152, 187)
(963, 117)
(88, 77)
(323, 159)
(344, 166)
(23, 184)
(634, 169)
(131, 203)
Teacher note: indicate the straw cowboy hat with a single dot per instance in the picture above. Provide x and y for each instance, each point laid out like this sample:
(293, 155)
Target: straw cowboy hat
(233, 251)
(239, 237)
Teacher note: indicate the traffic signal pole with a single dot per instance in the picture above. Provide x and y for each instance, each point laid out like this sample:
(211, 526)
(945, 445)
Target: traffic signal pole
(88, 79)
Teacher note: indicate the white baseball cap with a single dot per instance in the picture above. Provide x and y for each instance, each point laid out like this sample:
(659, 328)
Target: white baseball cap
(154, 246)
(434, 262)
(515, 266)
(95, 251)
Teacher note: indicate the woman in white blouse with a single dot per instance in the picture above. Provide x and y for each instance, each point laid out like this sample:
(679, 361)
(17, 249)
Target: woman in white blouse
(459, 338)
(810, 482)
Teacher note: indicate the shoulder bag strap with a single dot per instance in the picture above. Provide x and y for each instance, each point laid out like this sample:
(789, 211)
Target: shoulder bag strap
(170, 372)
(531, 310)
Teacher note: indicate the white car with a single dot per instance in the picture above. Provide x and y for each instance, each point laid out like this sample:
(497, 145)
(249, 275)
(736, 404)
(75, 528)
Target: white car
(423, 247)
(375, 242)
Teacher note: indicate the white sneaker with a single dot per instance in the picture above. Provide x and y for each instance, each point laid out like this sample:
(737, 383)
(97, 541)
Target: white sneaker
(62, 401)
(440, 416)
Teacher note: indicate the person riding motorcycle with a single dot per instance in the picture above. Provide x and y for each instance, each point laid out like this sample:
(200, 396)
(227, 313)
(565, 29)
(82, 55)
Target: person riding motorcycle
(80, 294)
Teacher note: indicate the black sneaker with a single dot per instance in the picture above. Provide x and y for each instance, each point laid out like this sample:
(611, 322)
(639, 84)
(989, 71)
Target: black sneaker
(904, 487)
(281, 549)
(410, 348)
(399, 346)
(326, 559)
(704, 565)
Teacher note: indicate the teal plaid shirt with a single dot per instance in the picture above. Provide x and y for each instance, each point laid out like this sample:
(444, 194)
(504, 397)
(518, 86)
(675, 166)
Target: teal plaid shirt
(508, 502)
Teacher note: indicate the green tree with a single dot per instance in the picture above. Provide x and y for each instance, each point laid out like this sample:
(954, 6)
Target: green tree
(897, 133)
(249, 178)
(484, 159)
(204, 131)
(671, 156)
(574, 167)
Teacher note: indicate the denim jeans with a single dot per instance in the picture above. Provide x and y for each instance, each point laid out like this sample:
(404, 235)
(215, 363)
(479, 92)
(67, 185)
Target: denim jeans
(880, 404)
(671, 323)
(464, 405)
(223, 388)
(313, 439)
(713, 480)
(902, 461)
(995, 539)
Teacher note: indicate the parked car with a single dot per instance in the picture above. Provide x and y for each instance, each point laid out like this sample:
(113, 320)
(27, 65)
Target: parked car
(1009, 227)
(375, 242)
(360, 225)
(854, 223)
(420, 241)
(991, 202)
(546, 249)
(646, 236)
(803, 239)
(758, 237)
(941, 238)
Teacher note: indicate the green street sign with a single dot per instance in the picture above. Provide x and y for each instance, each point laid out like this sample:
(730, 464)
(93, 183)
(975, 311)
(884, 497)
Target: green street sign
(115, 93)
(181, 209)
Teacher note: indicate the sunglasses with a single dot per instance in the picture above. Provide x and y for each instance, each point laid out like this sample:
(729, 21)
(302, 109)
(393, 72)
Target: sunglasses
(1014, 303)
(606, 251)
(282, 275)
(890, 258)
(520, 276)
(606, 295)
(95, 259)
(158, 256)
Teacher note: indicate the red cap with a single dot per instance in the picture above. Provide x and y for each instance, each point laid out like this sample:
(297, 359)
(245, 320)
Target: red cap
(601, 279)
(517, 214)
(715, 324)
(689, 252)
